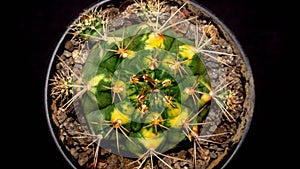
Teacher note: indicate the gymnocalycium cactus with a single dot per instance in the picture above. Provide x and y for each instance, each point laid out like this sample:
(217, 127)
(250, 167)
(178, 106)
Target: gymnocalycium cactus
(141, 82)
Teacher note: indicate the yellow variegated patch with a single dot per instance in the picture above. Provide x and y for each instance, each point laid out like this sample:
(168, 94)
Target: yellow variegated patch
(187, 51)
(154, 41)
(95, 80)
(177, 121)
(130, 54)
(150, 139)
(173, 111)
(117, 115)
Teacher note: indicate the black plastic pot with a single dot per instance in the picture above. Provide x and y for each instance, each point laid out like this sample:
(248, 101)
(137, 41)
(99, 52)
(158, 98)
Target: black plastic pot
(247, 78)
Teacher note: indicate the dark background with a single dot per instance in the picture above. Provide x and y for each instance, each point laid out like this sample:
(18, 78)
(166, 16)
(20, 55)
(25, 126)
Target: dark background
(259, 26)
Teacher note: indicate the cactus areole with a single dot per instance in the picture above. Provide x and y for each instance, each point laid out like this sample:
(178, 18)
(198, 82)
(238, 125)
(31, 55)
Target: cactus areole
(151, 84)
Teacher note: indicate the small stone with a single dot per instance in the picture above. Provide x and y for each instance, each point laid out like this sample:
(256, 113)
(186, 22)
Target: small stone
(69, 46)
(67, 53)
(83, 158)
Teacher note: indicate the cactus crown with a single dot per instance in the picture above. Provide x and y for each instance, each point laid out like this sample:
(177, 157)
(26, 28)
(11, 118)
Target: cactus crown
(142, 82)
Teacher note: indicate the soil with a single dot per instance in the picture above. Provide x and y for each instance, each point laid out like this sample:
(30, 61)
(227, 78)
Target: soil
(212, 153)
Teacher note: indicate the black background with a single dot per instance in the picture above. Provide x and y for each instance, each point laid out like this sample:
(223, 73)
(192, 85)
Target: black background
(259, 27)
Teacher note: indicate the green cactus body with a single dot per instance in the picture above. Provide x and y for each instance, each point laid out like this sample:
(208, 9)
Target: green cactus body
(142, 87)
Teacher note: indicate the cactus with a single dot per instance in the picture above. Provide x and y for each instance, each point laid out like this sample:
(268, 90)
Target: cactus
(140, 87)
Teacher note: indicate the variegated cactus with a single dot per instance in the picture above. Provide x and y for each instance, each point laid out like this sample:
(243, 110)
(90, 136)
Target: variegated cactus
(142, 82)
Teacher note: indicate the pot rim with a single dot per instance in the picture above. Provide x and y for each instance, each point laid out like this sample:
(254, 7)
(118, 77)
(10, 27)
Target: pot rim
(216, 20)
